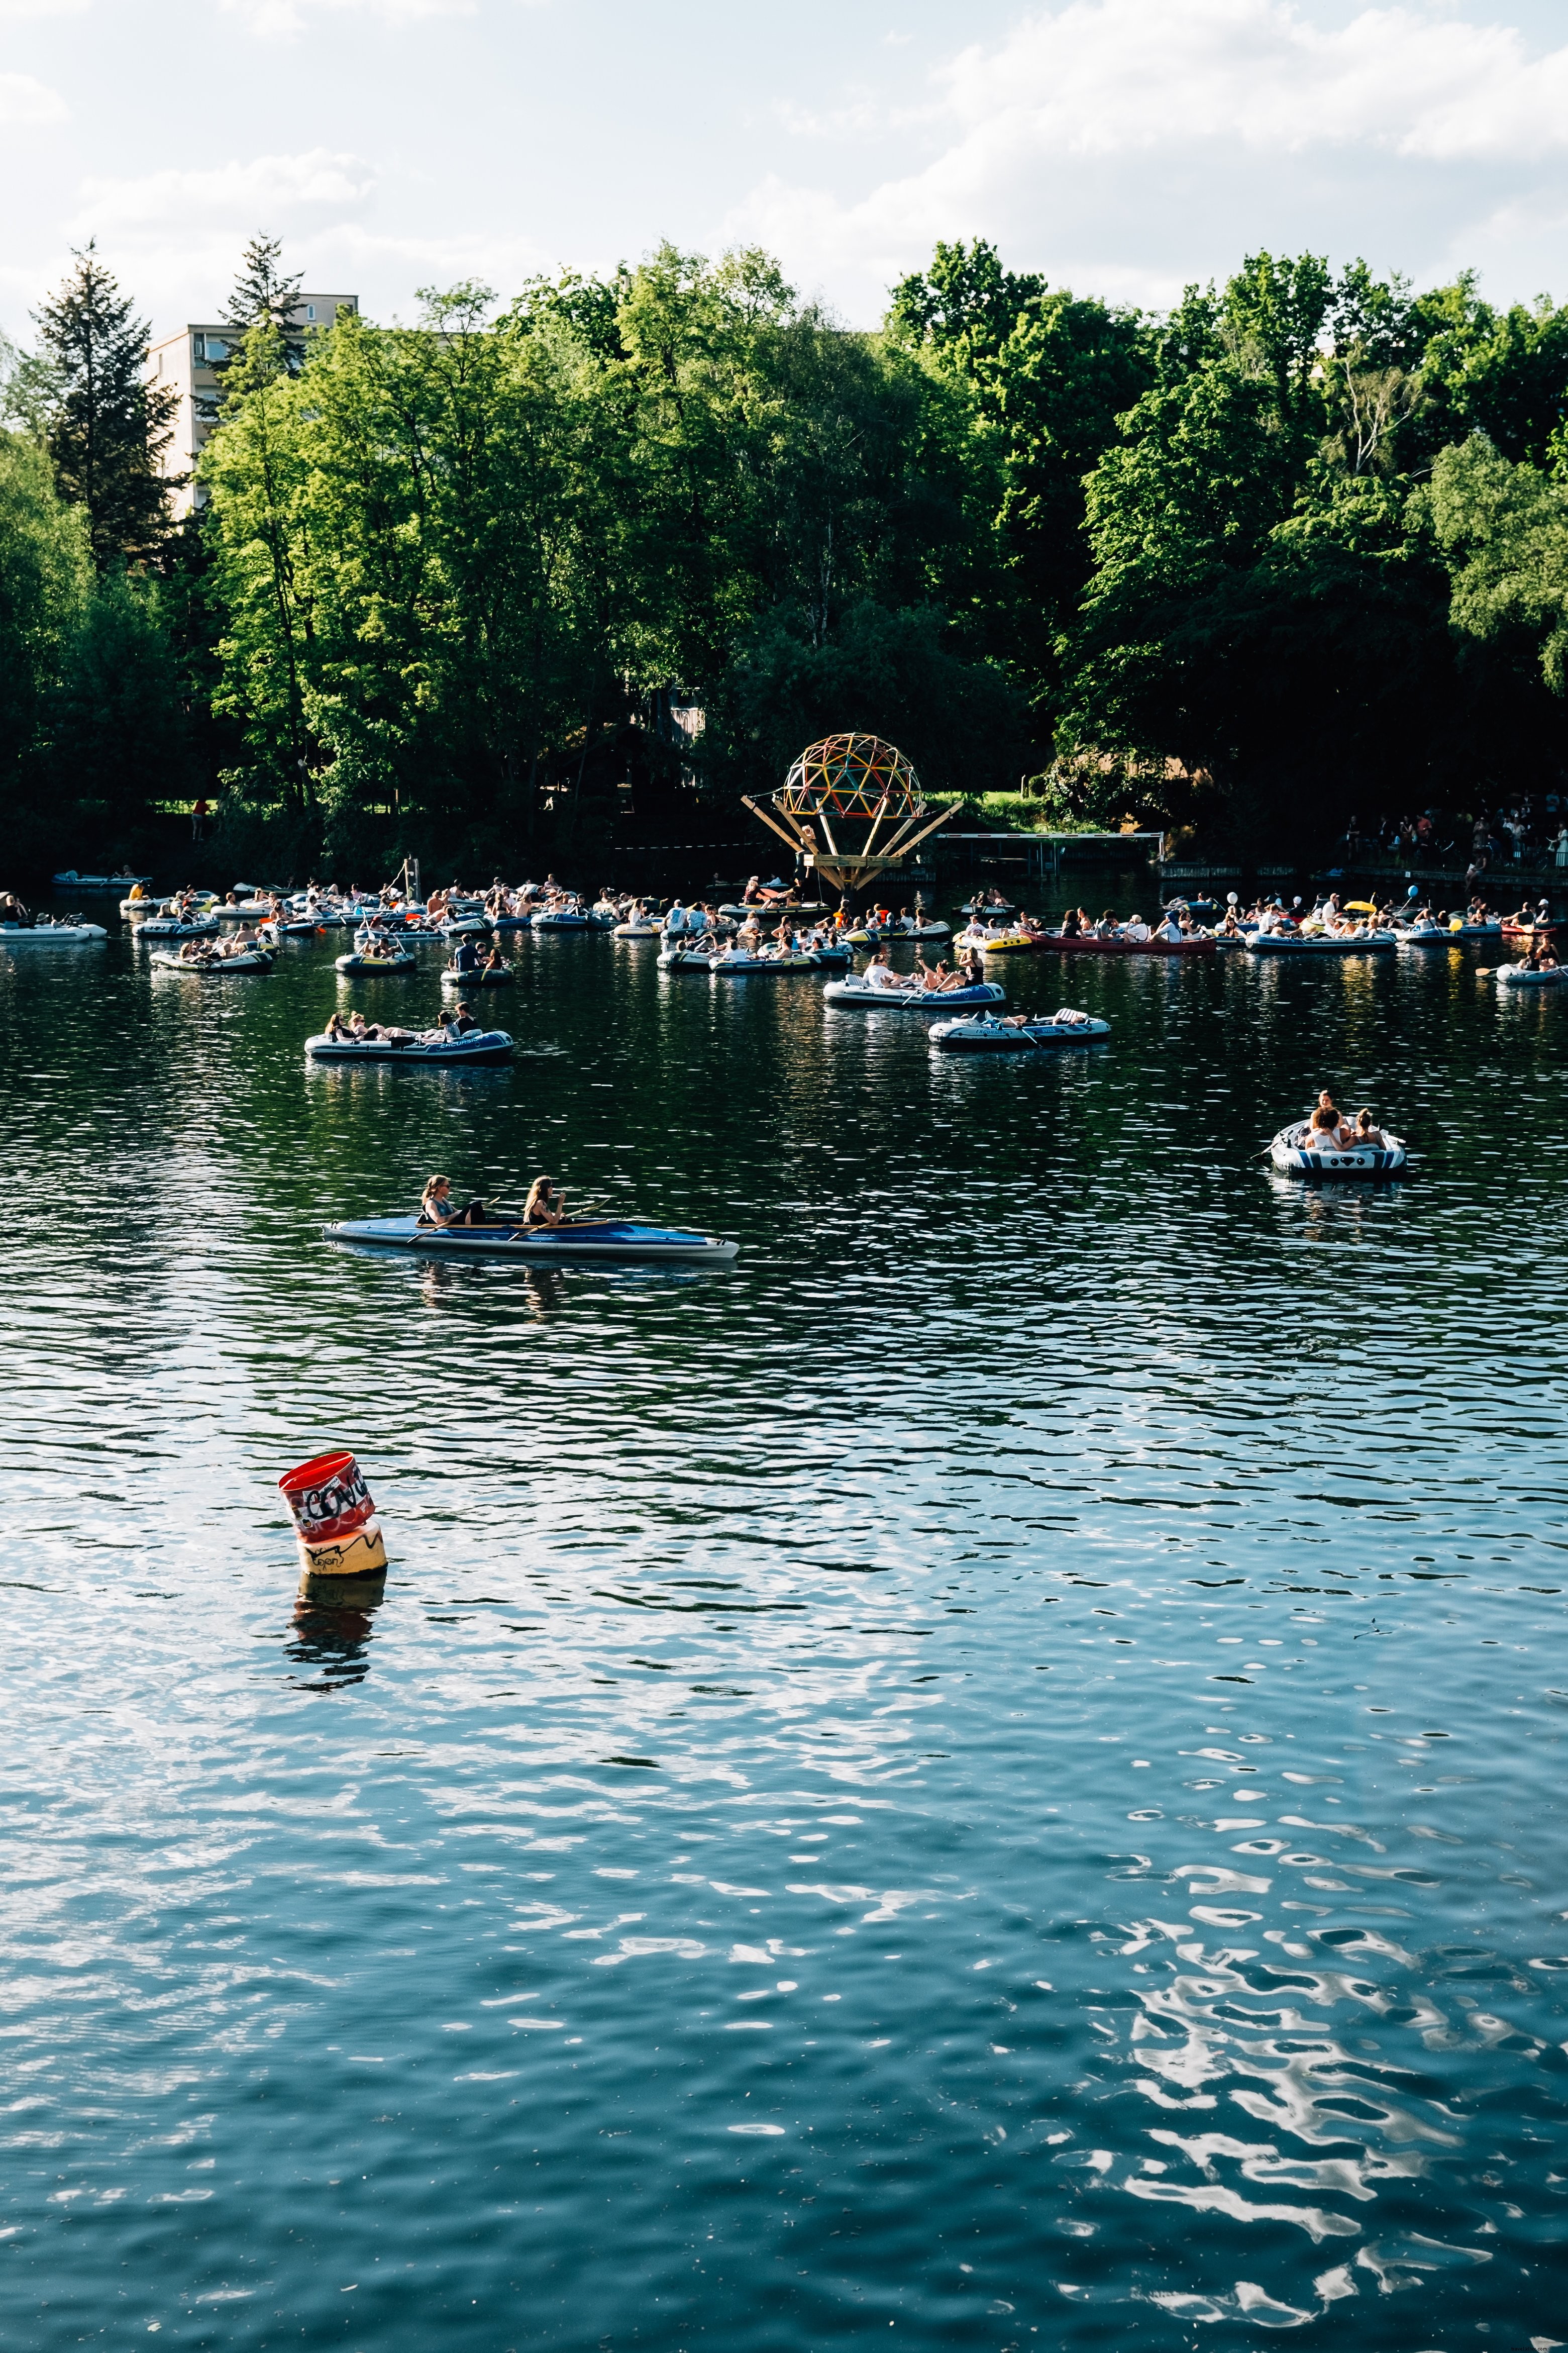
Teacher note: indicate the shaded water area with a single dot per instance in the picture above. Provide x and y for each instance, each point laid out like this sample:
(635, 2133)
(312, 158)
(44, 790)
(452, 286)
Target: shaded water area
(988, 1778)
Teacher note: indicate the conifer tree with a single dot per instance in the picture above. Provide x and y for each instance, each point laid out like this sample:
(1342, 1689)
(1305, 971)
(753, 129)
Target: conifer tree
(262, 291)
(108, 426)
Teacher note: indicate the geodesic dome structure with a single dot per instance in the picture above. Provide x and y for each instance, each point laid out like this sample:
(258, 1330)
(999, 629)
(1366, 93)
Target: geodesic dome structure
(850, 776)
(851, 808)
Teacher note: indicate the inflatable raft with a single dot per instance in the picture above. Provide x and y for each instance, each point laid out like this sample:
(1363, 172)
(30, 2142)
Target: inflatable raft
(981, 1033)
(855, 991)
(171, 927)
(1521, 975)
(1092, 943)
(360, 966)
(501, 977)
(1289, 1157)
(96, 886)
(49, 934)
(1321, 944)
(610, 1240)
(246, 960)
(478, 1046)
(902, 927)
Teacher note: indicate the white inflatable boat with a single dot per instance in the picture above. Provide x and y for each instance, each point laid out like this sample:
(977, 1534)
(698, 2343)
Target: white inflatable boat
(1287, 1154)
(361, 965)
(172, 927)
(246, 960)
(609, 1240)
(1321, 943)
(49, 934)
(981, 1033)
(420, 1052)
(501, 977)
(942, 1001)
(70, 884)
(1522, 975)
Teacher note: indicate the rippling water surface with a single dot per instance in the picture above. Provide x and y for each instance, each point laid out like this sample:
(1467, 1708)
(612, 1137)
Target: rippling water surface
(992, 1773)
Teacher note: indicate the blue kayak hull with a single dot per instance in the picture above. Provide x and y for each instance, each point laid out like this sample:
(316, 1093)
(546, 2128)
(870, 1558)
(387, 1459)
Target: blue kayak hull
(610, 1240)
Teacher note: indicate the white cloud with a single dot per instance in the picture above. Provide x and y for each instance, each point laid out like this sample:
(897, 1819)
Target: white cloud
(1113, 77)
(23, 99)
(1120, 142)
(281, 18)
(270, 192)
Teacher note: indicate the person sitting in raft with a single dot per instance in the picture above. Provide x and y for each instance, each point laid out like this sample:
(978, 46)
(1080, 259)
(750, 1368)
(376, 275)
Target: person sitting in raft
(460, 1020)
(879, 972)
(1540, 957)
(363, 1032)
(1366, 1136)
(338, 1030)
(1322, 1132)
(494, 962)
(544, 1206)
(437, 1206)
(1135, 928)
(1171, 929)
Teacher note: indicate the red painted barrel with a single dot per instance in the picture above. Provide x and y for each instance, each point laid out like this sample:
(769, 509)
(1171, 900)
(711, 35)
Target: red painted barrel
(328, 1497)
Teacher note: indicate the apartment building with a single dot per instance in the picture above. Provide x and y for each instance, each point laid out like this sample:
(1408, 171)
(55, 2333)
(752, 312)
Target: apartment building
(186, 360)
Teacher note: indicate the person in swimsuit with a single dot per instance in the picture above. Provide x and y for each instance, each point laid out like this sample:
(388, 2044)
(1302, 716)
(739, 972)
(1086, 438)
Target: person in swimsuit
(544, 1206)
(437, 1206)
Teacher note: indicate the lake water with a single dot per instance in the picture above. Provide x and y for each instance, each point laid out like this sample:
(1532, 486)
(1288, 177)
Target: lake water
(989, 1777)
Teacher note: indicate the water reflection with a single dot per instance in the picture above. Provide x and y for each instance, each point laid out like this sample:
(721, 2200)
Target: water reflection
(332, 1639)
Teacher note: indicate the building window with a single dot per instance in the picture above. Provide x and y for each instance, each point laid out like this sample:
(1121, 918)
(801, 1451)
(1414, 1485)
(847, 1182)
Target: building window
(310, 310)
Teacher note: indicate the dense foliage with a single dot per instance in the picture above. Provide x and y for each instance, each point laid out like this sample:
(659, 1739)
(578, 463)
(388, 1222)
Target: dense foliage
(1298, 550)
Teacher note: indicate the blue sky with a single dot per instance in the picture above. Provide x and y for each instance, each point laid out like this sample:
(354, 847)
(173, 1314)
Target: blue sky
(1120, 146)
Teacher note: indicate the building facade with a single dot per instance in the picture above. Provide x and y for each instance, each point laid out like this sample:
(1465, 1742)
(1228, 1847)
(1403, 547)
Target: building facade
(185, 360)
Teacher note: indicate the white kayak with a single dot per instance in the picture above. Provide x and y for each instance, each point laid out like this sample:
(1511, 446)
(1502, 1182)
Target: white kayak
(246, 960)
(1365, 1160)
(477, 1046)
(362, 965)
(943, 1001)
(49, 934)
(979, 1033)
(607, 1240)
(1522, 975)
(1323, 943)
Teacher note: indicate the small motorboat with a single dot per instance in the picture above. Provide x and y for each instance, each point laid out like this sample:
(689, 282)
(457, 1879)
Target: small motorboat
(72, 885)
(424, 1051)
(586, 1241)
(176, 927)
(855, 991)
(981, 1033)
(246, 960)
(50, 932)
(362, 963)
(1524, 976)
(480, 978)
(1321, 943)
(1287, 1154)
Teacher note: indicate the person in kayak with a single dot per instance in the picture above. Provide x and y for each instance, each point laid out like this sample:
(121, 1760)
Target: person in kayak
(437, 1206)
(544, 1206)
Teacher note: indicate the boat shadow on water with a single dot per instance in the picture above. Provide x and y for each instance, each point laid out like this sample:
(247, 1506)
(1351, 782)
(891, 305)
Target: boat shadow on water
(1325, 1211)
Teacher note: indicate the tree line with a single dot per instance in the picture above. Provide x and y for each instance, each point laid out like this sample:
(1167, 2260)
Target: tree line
(1296, 549)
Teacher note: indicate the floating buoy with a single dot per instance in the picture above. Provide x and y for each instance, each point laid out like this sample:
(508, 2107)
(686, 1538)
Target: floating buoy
(342, 1557)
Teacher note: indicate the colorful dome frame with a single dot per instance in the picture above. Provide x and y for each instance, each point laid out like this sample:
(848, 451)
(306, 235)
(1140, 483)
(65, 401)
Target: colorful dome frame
(851, 787)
